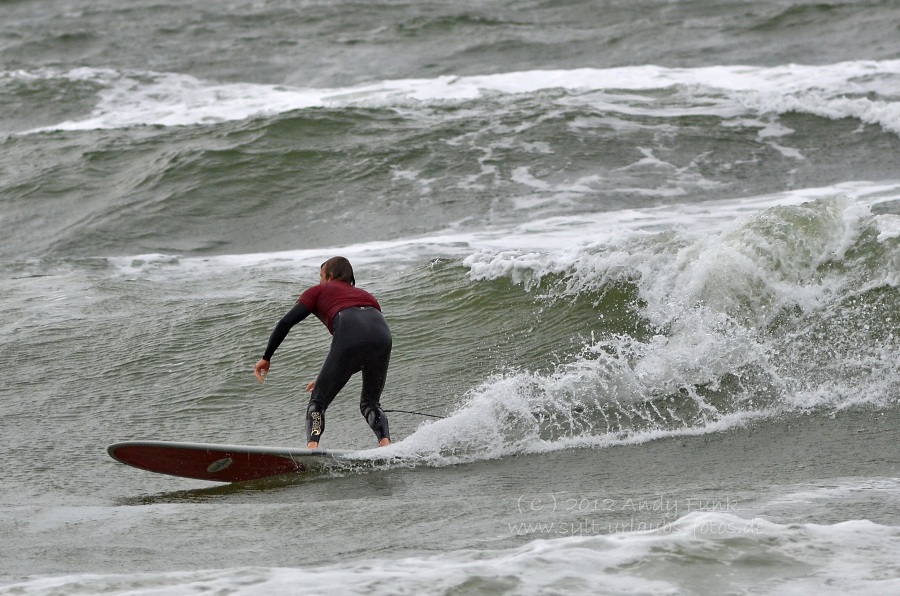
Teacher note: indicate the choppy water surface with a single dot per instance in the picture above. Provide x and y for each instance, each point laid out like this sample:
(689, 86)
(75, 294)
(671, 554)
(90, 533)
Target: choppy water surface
(642, 257)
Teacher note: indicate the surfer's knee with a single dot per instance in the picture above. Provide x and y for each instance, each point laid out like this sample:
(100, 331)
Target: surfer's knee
(377, 420)
(315, 422)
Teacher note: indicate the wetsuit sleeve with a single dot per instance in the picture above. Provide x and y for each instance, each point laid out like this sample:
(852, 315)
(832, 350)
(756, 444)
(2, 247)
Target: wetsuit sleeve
(294, 316)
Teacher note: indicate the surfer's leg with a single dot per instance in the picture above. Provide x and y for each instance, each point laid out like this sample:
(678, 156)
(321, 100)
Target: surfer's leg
(322, 396)
(374, 375)
(315, 424)
(336, 371)
(378, 422)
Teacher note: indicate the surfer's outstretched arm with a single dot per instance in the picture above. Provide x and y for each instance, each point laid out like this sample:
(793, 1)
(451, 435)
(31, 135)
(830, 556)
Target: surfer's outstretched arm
(294, 316)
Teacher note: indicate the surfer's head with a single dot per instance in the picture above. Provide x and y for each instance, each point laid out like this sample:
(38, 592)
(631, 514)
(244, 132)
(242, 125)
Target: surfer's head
(337, 268)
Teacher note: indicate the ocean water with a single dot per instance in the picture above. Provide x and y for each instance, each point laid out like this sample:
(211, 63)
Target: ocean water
(642, 257)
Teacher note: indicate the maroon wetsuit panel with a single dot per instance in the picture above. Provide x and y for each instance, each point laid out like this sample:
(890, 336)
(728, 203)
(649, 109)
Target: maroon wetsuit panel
(328, 299)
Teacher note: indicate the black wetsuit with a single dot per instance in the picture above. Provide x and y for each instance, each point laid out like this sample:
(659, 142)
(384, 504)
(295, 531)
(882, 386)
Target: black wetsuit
(361, 343)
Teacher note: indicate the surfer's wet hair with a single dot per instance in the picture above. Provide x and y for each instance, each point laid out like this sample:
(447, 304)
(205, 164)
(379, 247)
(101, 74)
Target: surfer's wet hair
(339, 268)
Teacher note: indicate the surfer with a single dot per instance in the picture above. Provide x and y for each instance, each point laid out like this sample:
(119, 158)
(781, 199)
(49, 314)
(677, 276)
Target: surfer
(361, 342)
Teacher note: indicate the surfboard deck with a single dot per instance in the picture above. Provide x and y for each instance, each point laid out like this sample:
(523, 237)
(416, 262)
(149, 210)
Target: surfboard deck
(222, 463)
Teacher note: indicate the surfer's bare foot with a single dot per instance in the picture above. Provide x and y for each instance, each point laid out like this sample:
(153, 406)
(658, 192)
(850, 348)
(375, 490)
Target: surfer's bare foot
(312, 445)
(384, 442)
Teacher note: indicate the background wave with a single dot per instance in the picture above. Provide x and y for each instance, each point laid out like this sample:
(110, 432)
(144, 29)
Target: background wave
(259, 168)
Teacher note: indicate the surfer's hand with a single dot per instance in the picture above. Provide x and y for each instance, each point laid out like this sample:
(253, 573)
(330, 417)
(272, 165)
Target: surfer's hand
(312, 385)
(261, 369)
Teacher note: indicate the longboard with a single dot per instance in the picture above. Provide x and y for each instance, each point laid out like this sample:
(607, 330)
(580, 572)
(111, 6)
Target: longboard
(222, 463)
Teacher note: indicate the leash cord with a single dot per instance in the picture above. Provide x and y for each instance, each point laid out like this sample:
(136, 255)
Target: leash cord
(416, 413)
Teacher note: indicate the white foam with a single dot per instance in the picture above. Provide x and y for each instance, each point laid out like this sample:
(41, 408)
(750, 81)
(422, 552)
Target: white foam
(530, 251)
(888, 226)
(502, 250)
(838, 490)
(832, 91)
(702, 552)
(501, 418)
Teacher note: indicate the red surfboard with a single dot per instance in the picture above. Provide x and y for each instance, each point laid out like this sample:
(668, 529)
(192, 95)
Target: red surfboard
(222, 463)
